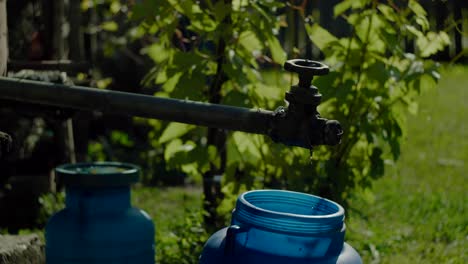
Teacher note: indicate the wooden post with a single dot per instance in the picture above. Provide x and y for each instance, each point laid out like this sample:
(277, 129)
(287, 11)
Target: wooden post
(458, 17)
(58, 47)
(3, 38)
(441, 13)
(78, 126)
(75, 40)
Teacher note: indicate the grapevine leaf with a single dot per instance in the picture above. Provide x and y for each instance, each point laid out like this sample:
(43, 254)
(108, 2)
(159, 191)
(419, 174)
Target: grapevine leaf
(171, 83)
(388, 12)
(342, 7)
(157, 52)
(174, 130)
(277, 52)
(246, 145)
(417, 8)
(110, 26)
(320, 36)
(432, 43)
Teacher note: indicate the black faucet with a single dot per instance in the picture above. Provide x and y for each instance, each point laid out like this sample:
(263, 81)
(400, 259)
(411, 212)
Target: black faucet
(298, 124)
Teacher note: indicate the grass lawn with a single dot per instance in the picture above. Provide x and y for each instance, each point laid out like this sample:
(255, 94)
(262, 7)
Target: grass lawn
(176, 213)
(418, 212)
(167, 206)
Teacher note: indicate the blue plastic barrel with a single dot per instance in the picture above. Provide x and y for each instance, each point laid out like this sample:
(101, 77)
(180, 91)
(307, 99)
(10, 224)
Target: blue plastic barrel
(275, 226)
(99, 225)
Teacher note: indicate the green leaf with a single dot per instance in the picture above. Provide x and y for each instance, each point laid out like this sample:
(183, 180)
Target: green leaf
(221, 10)
(236, 98)
(190, 87)
(328, 82)
(174, 130)
(203, 23)
(186, 7)
(86, 4)
(423, 22)
(250, 41)
(186, 60)
(212, 153)
(238, 4)
(264, 15)
(103, 83)
(157, 52)
(109, 26)
(320, 36)
(417, 9)
(388, 12)
(143, 9)
(378, 72)
(120, 137)
(267, 92)
(161, 77)
(428, 82)
(368, 30)
(277, 52)
(423, 83)
(115, 7)
(413, 30)
(432, 43)
(413, 107)
(359, 4)
(173, 147)
(246, 146)
(342, 7)
(170, 84)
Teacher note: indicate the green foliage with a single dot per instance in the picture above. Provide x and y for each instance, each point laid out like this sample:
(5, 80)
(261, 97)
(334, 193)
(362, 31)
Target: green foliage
(177, 214)
(50, 204)
(372, 83)
(190, 38)
(185, 242)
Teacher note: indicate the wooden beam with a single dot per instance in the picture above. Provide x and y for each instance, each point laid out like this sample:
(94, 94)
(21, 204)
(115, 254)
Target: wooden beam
(49, 65)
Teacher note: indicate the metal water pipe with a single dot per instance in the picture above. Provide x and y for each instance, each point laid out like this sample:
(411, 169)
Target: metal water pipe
(297, 124)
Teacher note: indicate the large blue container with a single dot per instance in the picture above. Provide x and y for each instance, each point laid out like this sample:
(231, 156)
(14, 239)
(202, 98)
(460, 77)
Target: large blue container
(275, 226)
(99, 225)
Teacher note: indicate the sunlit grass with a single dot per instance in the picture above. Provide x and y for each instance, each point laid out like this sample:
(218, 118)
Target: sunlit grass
(418, 212)
(167, 205)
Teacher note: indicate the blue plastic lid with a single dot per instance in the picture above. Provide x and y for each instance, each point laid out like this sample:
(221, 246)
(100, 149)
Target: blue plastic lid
(98, 174)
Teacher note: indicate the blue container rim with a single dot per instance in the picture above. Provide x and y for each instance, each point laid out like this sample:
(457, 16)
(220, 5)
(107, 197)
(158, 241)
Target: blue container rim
(98, 174)
(330, 219)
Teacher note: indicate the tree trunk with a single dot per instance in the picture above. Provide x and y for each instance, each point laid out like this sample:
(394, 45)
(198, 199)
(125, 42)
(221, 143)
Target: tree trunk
(3, 38)
(216, 137)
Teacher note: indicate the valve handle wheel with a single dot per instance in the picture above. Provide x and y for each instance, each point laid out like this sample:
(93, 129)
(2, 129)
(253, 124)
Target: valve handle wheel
(306, 70)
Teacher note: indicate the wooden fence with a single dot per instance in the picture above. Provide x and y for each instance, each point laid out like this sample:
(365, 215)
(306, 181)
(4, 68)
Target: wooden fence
(446, 15)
